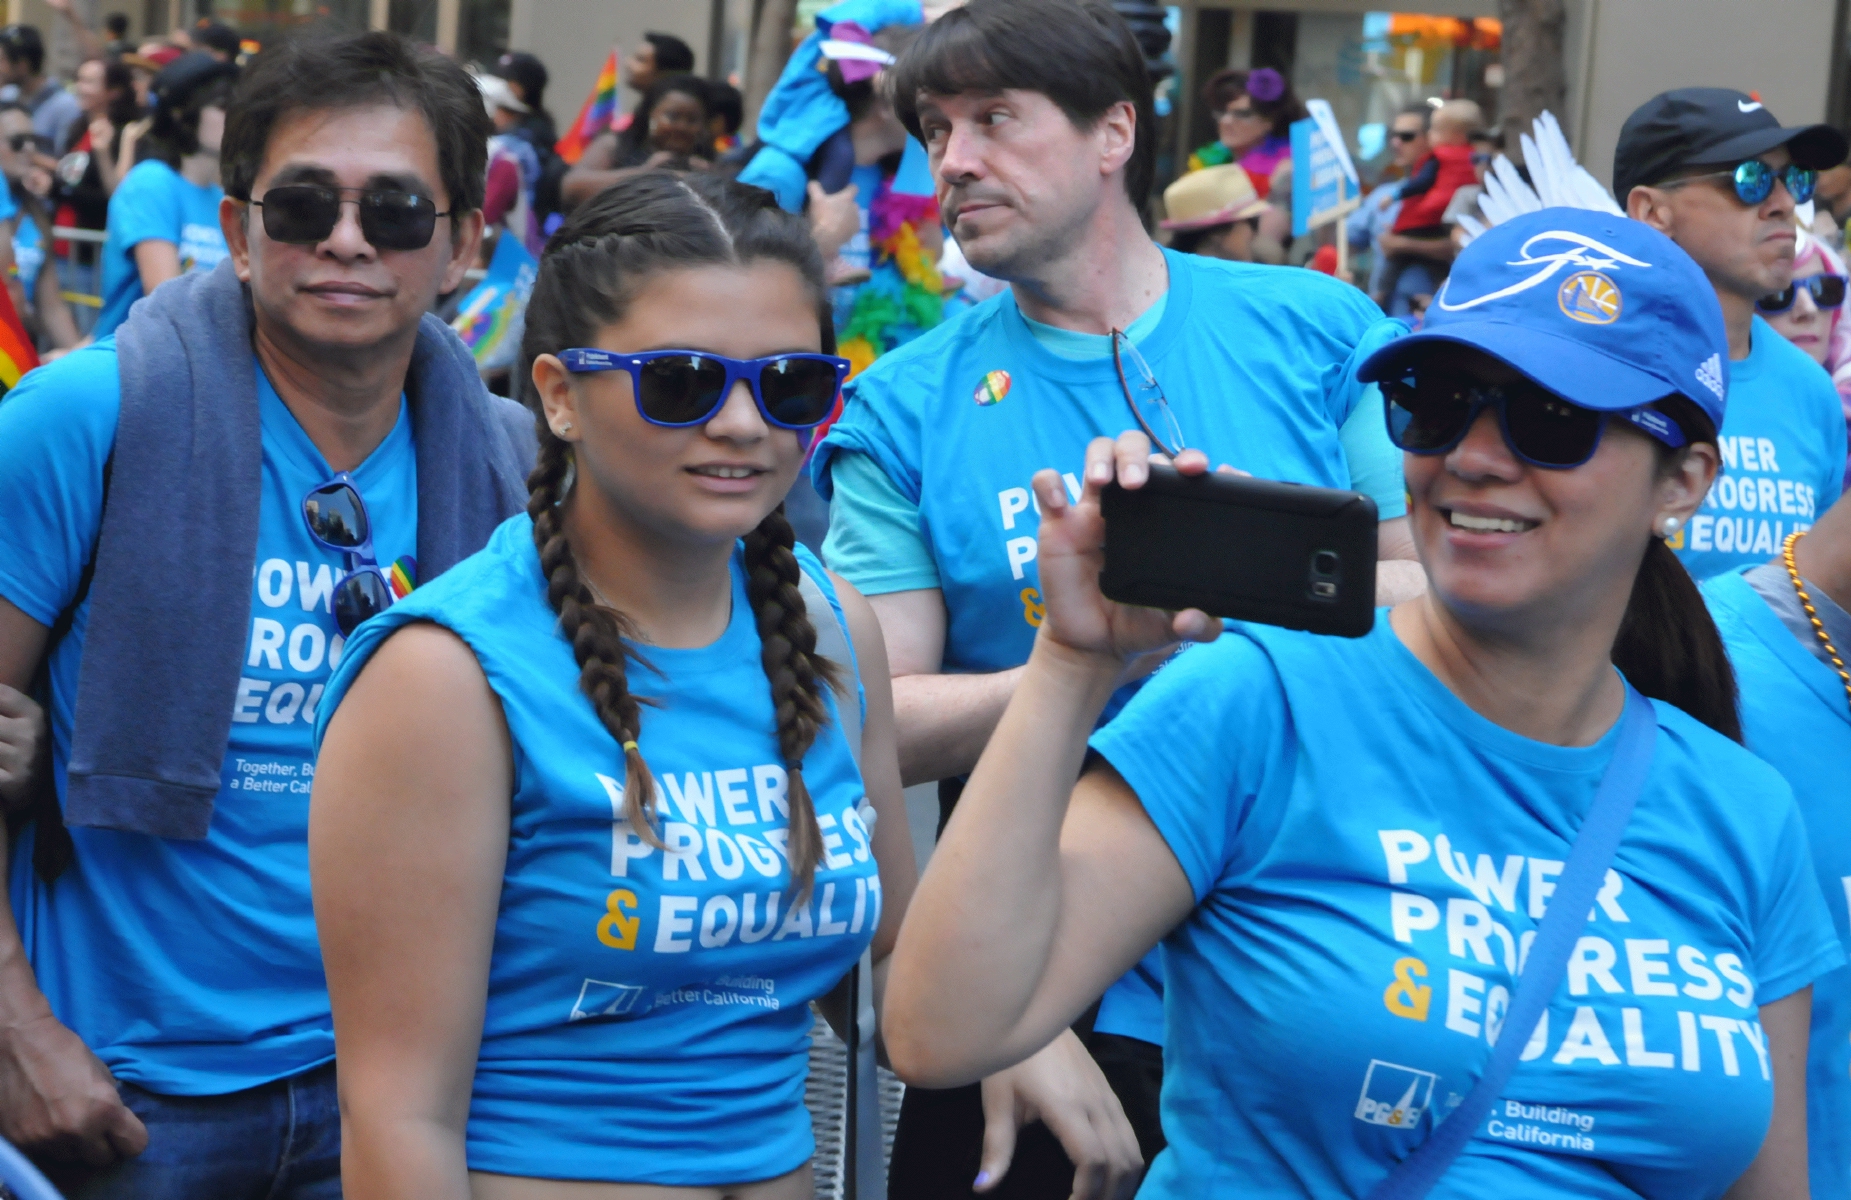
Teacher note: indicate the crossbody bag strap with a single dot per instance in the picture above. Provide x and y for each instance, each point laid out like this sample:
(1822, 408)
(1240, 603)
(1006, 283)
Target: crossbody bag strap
(864, 1168)
(1588, 860)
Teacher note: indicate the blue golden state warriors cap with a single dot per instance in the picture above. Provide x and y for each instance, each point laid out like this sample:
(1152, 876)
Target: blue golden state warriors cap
(1602, 310)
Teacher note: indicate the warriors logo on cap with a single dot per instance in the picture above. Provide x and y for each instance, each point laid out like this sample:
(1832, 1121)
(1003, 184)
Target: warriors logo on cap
(1589, 297)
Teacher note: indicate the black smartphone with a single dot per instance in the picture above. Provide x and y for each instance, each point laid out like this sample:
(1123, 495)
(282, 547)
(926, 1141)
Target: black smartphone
(1250, 549)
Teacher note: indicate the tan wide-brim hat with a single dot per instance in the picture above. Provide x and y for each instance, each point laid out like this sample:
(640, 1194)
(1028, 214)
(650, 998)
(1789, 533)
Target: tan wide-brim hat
(1209, 197)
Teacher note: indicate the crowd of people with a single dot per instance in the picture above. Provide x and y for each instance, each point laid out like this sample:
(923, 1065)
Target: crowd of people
(507, 848)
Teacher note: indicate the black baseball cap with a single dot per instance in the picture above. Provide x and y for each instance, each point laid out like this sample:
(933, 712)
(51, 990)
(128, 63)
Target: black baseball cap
(179, 79)
(1703, 126)
(520, 67)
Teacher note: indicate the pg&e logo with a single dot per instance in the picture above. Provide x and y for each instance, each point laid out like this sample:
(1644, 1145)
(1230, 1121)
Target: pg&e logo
(1394, 1096)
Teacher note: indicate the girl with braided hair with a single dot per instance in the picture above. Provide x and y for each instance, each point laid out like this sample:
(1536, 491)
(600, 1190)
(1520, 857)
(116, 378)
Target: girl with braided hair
(588, 831)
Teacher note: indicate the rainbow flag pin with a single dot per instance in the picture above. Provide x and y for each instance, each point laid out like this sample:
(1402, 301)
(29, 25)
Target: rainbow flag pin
(994, 387)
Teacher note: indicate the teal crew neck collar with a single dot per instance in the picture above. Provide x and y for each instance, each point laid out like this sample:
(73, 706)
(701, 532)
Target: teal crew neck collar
(1031, 355)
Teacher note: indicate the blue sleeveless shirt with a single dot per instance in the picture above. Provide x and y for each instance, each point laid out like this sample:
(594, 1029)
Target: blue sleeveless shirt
(647, 1016)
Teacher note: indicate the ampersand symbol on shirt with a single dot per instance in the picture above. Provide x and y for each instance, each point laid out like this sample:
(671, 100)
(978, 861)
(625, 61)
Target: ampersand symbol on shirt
(616, 930)
(1033, 610)
(1404, 997)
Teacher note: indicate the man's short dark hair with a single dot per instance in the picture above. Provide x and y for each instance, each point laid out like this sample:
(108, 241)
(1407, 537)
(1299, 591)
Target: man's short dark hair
(673, 56)
(22, 43)
(324, 73)
(1078, 53)
(117, 24)
(1419, 109)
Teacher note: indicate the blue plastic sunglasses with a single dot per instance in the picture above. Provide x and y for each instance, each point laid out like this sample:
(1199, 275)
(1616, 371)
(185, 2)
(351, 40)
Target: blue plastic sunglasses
(679, 388)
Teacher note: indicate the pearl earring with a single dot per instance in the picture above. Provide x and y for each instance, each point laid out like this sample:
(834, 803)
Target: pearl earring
(1670, 525)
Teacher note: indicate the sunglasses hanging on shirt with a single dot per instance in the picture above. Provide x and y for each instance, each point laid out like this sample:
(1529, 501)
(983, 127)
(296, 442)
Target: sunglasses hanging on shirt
(305, 214)
(1827, 291)
(336, 518)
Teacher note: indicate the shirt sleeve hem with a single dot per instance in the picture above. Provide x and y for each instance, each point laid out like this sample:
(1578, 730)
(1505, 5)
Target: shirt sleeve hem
(882, 583)
(1172, 828)
(1827, 958)
(25, 604)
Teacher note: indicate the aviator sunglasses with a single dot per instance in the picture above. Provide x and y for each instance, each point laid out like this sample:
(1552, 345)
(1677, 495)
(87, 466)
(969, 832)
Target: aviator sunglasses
(1431, 415)
(679, 388)
(337, 519)
(305, 214)
(1754, 181)
(1827, 291)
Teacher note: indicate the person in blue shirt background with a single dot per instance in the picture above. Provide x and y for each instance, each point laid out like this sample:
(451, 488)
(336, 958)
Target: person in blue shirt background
(1796, 714)
(164, 215)
(613, 876)
(1715, 171)
(39, 297)
(1345, 846)
(170, 1036)
(1040, 163)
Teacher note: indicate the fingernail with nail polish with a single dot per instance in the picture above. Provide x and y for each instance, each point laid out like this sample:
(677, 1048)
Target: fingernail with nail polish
(982, 1180)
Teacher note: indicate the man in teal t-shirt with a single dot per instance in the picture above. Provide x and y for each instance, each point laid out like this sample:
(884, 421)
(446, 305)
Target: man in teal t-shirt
(1039, 170)
(1714, 170)
(171, 1036)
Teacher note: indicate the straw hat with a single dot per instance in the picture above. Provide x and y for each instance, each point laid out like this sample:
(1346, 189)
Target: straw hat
(1209, 197)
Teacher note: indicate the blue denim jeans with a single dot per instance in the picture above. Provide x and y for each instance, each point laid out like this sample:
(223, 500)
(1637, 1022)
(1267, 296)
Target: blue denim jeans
(281, 1141)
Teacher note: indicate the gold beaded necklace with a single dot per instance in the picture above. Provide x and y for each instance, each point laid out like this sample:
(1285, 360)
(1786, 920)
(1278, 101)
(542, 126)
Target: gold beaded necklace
(1812, 614)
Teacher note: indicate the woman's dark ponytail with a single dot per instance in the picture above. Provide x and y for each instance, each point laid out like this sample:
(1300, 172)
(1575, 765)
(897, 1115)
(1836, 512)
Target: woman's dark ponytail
(1668, 646)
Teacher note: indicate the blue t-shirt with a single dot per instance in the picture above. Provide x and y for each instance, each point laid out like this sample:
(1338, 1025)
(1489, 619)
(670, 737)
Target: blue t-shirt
(28, 256)
(155, 203)
(648, 1016)
(1257, 364)
(1370, 859)
(1783, 458)
(1795, 714)
(188, 967)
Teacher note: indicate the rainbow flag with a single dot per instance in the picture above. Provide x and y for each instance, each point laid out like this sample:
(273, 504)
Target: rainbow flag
(599, 113)
(16, 353)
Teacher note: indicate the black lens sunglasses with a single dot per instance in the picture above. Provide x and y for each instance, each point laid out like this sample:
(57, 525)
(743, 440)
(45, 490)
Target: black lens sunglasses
(305, 214)
(1826, 290)
(336, 518)
(1433, 415)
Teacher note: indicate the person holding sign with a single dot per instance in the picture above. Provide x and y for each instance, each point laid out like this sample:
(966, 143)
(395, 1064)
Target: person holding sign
(1349, 848)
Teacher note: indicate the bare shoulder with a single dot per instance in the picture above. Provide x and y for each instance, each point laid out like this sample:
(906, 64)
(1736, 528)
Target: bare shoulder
(423, 692)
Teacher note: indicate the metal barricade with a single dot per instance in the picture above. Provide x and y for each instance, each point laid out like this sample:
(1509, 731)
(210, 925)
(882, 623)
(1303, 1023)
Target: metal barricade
(70, 233)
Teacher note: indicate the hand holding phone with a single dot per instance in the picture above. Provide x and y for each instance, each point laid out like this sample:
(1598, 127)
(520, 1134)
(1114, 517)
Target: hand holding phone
(1071, 554)
(1245, 548)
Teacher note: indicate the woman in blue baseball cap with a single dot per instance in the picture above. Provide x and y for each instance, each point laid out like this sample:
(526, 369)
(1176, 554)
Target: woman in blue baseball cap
(1451, 909)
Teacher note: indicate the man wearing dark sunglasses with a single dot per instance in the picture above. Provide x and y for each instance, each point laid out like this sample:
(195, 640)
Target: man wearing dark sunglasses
(1714, 170)
(200, 510)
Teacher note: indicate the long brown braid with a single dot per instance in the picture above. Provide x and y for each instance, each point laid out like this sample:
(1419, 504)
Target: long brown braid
(590, 271)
